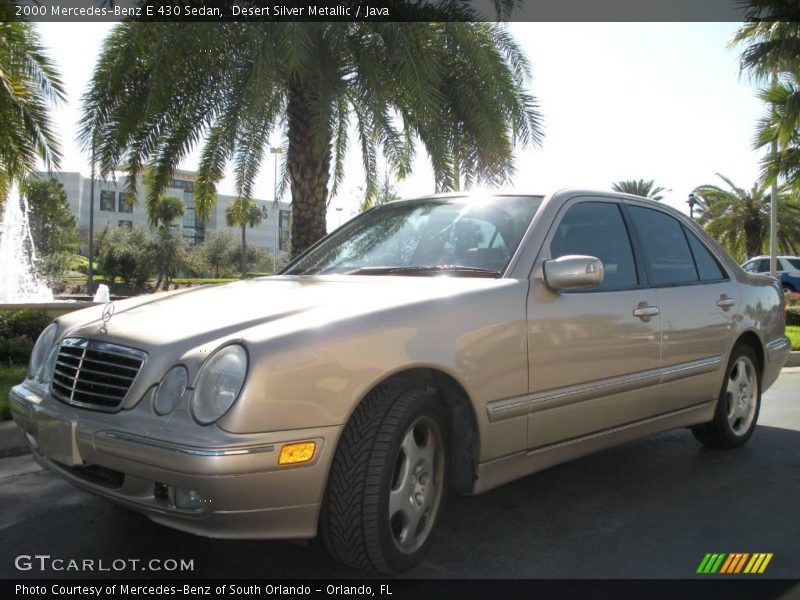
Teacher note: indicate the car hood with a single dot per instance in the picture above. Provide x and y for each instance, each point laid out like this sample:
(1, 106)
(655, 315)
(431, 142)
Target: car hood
(245, 309)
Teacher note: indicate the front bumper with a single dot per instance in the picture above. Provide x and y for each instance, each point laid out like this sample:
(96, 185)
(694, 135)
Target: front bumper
(139, 462)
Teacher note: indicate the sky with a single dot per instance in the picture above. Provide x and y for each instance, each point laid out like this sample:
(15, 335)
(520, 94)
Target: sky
(661, 101)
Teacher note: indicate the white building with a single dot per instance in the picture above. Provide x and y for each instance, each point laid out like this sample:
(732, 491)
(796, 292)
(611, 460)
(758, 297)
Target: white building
(111, 207)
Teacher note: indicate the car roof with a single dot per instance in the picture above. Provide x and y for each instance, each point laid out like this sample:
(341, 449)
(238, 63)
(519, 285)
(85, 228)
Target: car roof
(470, 195)
(763, 256)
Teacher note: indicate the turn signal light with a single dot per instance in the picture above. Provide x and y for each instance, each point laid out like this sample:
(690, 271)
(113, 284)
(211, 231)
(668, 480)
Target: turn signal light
(299, 452)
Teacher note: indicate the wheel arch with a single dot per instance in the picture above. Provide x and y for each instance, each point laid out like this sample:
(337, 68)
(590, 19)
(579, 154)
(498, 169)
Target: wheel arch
(463, 434)
(751, 339)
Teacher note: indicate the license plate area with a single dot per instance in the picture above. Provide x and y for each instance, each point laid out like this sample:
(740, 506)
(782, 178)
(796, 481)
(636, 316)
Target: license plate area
(56, 440)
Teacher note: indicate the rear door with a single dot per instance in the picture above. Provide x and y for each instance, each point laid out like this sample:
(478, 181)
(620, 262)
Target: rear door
(697, 300)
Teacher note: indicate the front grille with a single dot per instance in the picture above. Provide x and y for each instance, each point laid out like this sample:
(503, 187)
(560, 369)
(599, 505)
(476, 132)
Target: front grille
(95, 375)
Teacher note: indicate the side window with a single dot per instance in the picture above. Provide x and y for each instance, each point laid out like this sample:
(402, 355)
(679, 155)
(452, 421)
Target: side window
(667, 255)
(750, 266)
(707, 266)
(763, 265)
(597, 229)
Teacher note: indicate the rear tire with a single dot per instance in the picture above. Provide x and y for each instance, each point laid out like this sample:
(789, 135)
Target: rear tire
(387, 481)
(738, 405)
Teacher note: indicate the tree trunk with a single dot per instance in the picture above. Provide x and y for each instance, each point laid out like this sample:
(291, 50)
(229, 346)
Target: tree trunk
(753, 237)
(244, 252)
(309, 170)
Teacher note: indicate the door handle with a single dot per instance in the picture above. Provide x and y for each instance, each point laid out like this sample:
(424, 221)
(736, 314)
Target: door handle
(725, 303)
(645, 312)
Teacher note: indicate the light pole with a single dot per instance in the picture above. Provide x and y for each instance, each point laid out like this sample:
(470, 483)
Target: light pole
(339, 210)
(90, 268)
(773, 209)
(276, 151)
(692, 202)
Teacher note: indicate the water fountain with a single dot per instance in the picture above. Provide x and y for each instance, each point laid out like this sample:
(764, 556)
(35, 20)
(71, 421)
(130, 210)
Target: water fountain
(21, 286)
(19, 279)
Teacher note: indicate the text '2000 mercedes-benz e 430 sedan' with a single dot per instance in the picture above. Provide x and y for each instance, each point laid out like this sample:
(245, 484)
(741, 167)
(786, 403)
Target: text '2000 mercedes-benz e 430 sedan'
(454, 342)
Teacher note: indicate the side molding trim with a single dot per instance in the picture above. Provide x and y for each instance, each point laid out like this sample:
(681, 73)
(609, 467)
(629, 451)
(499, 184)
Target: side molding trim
(507, 408)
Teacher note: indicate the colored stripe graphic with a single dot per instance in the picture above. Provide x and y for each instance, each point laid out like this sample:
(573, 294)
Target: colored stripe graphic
(727, 564)
(735, 562)
(764, 564)
(711, 563)
(703, 563)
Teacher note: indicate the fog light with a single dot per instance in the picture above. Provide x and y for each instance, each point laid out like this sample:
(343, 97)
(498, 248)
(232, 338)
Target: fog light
(188, 499)
(297, 453)
(161, 491)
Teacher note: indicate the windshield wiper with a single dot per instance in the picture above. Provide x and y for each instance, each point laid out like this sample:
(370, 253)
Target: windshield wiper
(426, 270)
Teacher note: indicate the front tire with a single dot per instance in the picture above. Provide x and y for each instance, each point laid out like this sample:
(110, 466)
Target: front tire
(738, 405)
(387, 481)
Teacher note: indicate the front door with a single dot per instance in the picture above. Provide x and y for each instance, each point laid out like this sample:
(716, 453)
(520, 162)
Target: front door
(594, 355)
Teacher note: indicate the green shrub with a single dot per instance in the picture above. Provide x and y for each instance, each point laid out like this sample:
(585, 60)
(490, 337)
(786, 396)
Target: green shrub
(23, 324)
(9, 377)
(15, 351)
(18, 332)
(793, 315)
(126, 253)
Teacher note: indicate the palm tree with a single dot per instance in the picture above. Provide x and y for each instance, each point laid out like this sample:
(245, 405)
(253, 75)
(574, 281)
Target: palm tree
(639, 187)
(166, 211)
(386, 193)
(739, 219)
(162, 215)
(243, 212)
(29, 86)
(771, 56)
(459, 88)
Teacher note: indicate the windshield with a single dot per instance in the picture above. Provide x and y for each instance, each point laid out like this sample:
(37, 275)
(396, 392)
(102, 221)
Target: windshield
(463, 236)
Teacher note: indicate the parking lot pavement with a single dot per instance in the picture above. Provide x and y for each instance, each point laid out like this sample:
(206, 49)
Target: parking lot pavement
(650, 508)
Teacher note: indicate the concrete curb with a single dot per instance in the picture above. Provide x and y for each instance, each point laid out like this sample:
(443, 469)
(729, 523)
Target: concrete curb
(794, 359)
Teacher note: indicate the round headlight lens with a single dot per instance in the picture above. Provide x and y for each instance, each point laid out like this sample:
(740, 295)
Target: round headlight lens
(41, 351)
(169, 391)
(219, 383)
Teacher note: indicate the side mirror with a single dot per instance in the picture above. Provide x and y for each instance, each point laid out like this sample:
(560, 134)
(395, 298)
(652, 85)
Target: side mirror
(573, 272)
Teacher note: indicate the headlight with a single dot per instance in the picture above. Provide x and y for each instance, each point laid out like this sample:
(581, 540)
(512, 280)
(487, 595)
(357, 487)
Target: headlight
(218, 384)
(41, 352)
(170, 390)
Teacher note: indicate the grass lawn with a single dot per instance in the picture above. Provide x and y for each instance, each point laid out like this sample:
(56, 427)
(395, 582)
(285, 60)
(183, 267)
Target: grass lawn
(793, 332)
(9, 377)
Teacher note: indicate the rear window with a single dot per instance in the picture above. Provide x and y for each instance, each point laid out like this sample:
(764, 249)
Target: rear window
(707, 266)
(667, 255)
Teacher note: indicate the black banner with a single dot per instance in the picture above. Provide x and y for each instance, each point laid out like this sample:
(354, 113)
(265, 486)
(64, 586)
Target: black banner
(377, 10)
(402, 589)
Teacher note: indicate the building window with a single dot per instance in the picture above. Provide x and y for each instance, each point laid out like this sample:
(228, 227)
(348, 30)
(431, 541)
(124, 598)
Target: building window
(193, 228)
(284, 229)
(181, 184)
(125, 202)
(128, 224)
(107, 200)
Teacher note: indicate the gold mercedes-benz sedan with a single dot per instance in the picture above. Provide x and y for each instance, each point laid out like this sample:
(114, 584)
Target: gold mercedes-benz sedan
(454, 342)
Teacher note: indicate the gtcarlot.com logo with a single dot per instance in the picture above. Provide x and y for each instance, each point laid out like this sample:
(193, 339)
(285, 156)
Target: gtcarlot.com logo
(45, 562)
(737, 562)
